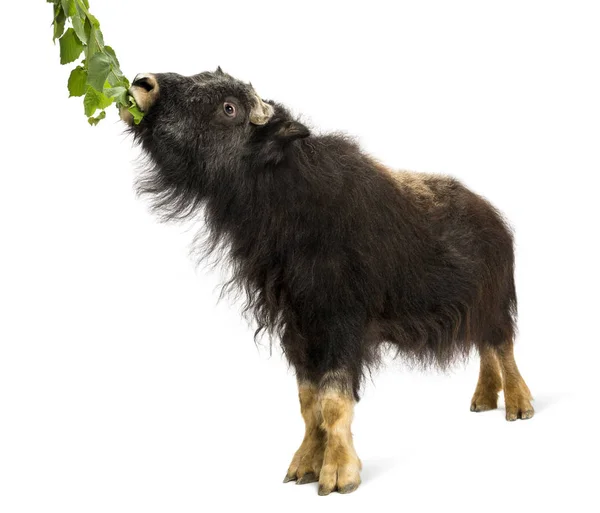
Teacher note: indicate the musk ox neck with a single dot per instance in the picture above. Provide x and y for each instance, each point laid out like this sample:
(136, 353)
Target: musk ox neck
(275, 221)
(298, 200)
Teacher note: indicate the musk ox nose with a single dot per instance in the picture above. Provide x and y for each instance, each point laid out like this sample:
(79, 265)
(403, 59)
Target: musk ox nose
(145, 90)
(145, 81)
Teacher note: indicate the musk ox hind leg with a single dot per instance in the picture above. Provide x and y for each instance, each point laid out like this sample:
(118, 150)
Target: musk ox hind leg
(306, 463)
(516, 393)
(490, 381)
(498, 370)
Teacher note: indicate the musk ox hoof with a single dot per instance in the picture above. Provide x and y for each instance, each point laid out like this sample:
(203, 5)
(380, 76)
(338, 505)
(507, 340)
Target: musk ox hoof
(349, 488)
(306, 465)
(340, 478)
(518, 403)
(309, 477)
(483, 403)
(524, 413)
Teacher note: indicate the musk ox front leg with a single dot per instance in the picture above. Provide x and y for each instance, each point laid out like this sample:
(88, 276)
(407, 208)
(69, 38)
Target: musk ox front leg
(306, 463)
(327, 452)
(328, 358)
(341, 465)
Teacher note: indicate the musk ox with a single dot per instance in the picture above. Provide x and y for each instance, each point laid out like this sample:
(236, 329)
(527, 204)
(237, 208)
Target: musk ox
(338, 256)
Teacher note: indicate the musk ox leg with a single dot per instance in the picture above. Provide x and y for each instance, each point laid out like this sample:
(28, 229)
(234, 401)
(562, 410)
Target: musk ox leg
(306, 463)
(341, 465)
(516, 393)
(489, 383)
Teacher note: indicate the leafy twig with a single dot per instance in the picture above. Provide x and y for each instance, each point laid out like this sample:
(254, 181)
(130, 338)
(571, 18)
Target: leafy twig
(98, 77)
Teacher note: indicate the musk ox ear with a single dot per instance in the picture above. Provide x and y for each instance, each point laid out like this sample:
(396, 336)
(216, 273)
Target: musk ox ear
(291, 130)
(219, 71)
(261, 112)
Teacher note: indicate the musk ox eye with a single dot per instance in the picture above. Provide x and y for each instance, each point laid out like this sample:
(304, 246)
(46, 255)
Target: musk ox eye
(229, 109)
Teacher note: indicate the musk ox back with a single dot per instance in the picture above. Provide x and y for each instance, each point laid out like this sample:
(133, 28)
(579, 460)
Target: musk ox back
(338, 255)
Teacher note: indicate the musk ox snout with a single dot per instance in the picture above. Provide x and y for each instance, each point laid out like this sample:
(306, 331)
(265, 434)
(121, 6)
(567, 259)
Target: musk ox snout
(144, 90)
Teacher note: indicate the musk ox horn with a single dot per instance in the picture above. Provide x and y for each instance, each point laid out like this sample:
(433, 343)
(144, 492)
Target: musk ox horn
(261, 112)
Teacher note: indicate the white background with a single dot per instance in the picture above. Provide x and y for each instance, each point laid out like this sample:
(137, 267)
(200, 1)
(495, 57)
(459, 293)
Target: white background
(125, 387)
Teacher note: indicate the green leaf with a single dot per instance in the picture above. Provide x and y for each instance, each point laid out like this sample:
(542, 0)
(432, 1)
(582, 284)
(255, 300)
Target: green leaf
(119, 94)
(94, 121)
(83, 6)
(70, 47)
(59, 22)
(112, 55)
(104, 101)
(95, 39)
(77, 82)
(135, 111)
(69, 7)
(95, 100)
(78, 25)
(116, 78)
(94, 20)
(91, 101)
(98, 70)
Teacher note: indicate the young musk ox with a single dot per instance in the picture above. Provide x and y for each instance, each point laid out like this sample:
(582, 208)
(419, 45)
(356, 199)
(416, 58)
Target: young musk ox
(337, 255)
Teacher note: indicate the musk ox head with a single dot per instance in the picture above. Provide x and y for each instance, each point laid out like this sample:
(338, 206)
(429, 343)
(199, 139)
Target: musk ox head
(206, 129)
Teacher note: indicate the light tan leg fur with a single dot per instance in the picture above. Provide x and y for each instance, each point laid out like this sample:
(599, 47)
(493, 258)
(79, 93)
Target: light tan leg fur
(306, 463)
(327, 452)
(516, 393)
(490, 381)
(341, 465)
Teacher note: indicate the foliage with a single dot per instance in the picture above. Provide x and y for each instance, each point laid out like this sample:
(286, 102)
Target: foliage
(98, 77)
